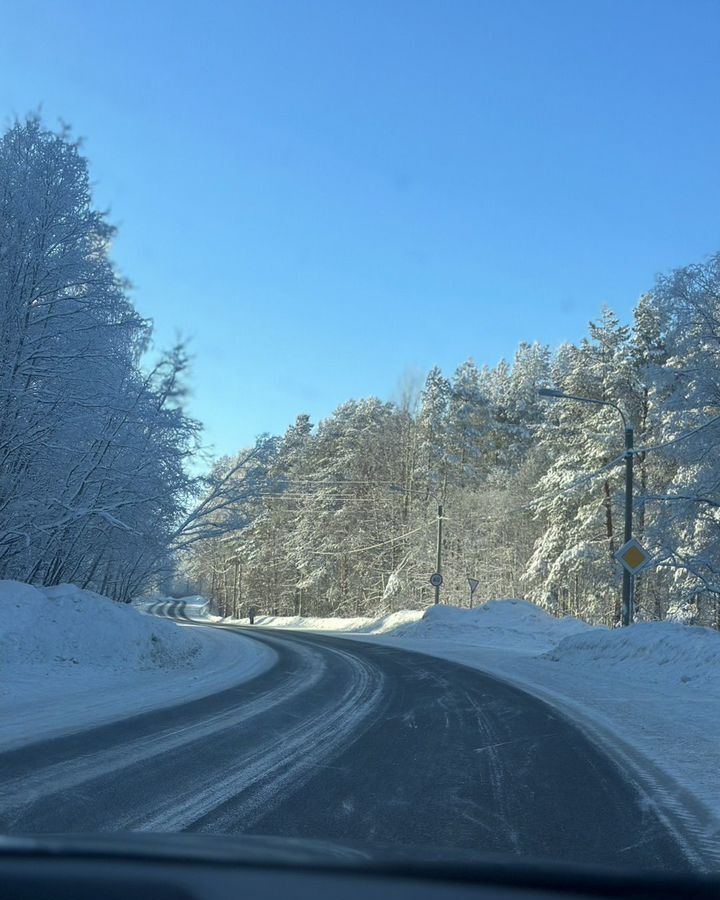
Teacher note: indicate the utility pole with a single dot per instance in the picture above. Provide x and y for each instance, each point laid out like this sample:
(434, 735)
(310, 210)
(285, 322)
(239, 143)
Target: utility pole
(438, 567)
(236, 605)
(627, 586)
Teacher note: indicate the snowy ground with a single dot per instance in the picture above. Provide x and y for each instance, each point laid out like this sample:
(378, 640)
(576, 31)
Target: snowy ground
(650, 692)
(357, 625)
(71, 658)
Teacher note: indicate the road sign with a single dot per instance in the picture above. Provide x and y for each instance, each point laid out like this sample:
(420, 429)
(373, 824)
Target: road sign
(633, 556)
(473, 582)
(436, 580)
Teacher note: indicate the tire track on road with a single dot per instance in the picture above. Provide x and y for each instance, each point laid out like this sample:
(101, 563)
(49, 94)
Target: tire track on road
(256, 782)
(59, 785)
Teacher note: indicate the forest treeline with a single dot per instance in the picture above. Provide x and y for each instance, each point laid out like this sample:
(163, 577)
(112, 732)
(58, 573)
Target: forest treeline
(341, 518)
(98, 456)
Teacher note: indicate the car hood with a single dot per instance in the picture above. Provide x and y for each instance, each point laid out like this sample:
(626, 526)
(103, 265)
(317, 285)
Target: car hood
(272, 851)
(240, 849)
(254, 849)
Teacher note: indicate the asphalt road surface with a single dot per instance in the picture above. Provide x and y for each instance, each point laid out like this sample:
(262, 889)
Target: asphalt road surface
(349, 741)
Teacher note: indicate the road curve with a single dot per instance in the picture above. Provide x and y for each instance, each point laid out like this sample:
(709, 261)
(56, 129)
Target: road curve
(349, 741)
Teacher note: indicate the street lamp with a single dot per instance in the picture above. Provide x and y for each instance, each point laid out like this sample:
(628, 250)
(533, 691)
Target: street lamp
(554, 393)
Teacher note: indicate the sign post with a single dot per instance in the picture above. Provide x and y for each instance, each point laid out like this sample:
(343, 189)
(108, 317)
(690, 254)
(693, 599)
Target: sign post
(633, 557)
(473, 582)
(436, 580)
(438, 564)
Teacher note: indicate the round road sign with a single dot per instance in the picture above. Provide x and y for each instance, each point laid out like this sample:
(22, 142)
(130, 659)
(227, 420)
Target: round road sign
(436, 580)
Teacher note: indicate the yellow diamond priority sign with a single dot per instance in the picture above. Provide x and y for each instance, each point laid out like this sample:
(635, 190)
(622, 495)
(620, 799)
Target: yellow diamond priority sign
(633, 556)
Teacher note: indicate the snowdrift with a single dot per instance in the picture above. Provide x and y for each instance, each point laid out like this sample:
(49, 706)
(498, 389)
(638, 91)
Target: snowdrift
(662, 650)
(71, 659)
(508, 624)
(512, 624)
(65, 626)
(358, 624)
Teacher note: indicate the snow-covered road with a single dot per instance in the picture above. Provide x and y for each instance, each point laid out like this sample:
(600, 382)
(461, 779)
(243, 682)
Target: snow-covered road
(354, 742)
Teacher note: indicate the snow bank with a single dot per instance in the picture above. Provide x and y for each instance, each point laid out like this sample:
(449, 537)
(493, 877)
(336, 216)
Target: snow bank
(64, 626)
(71, 659)
(358, 624)
(663, 651)
(517, 625)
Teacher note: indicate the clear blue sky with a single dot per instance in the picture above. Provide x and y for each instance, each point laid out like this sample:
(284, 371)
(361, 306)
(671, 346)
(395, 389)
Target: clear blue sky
(326, 193)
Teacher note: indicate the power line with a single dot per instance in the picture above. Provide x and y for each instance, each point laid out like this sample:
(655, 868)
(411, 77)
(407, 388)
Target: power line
(392, 540)
(681, 437)
(341, 481)
(299, 496)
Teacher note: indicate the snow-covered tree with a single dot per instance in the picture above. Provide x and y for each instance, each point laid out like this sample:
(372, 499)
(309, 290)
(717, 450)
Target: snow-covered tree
(686, 309)
(92, 448)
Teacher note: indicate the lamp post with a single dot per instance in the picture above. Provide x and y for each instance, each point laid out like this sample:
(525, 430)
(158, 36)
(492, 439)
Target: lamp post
(553, 393)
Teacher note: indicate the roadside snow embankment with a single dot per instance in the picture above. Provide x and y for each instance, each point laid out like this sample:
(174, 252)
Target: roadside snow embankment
(58, 627)
(663, 652)
(515, 625)
(358, 625)
(70, 658)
